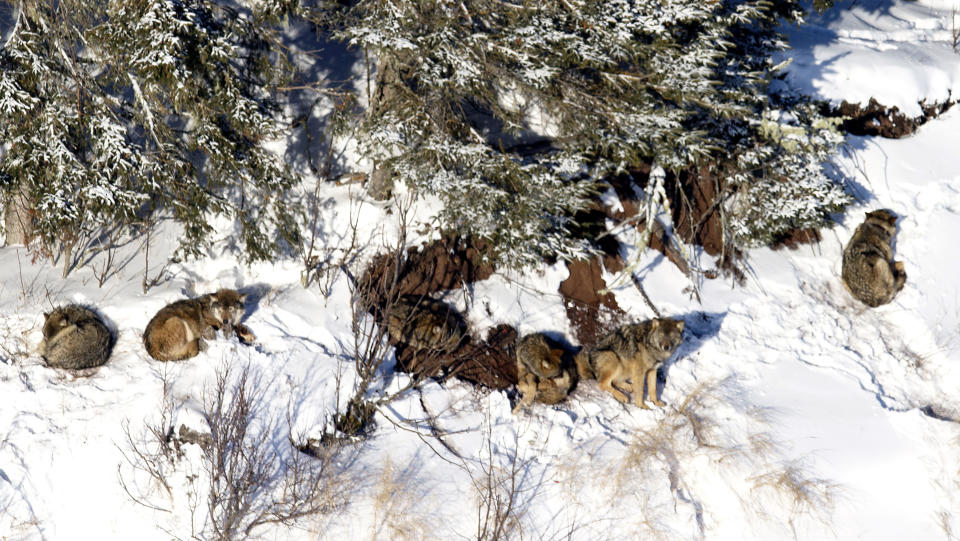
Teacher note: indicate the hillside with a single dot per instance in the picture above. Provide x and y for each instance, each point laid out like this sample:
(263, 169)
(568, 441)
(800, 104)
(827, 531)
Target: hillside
(794, 411)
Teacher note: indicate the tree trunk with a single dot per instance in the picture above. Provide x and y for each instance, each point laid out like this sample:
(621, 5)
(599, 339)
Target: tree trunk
(388, 85)
(380, 184)
(18, 218)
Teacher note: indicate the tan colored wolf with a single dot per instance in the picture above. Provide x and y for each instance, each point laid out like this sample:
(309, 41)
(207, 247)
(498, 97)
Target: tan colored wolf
(541, 374)
(425, 323)
(176, 331)
(869, 271)
(75, 337)
(633, 352)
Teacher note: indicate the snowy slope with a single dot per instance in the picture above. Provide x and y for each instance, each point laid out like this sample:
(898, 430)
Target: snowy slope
(895, 51)
(793, 410)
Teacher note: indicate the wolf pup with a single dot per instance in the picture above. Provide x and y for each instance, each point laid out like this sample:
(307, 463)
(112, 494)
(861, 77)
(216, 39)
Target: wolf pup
(540, 371)
(176, 331)
(633, 352)
(425, 323)
(869, 271)
(75, 337)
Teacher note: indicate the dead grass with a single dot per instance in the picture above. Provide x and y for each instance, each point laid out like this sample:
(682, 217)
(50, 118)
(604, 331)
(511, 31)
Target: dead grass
(798, 492)
(672, 470)
(945, 520)
(396, 514)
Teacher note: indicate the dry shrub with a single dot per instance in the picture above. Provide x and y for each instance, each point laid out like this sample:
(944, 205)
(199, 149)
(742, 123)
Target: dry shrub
(372, 299)
(150, 453)
(14, 347)
(251, 481)
(417, 272)
(499, 491)
(18, 520)
(245, 480)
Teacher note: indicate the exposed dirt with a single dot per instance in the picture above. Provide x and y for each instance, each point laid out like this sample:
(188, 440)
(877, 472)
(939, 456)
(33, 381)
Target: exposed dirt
(490, 363)
(877, 119)
(591, 314)
(794, 238)
(450, 263)
(659, 238)
(695, 217)
(692, 193)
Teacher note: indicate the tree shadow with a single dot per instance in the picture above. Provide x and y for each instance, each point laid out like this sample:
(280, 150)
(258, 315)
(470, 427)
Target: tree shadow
(816, 32)
(255, 293)
(698, 328)
(322, 83)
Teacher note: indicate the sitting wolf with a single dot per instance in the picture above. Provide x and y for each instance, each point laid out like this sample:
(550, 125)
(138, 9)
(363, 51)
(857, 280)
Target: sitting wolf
(869, 271)
(633, 352)
(74, 337)
(541, 375)
(176, 332)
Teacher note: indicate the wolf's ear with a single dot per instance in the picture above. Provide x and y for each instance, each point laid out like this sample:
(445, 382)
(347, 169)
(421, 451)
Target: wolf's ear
(654, 324)
(46, 315)
(680, 324)
(243, 298)
(556, 353)
(892, 218)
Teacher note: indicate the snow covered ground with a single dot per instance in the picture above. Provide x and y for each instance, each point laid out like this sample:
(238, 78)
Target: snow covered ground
(899, 52)
(793, 410)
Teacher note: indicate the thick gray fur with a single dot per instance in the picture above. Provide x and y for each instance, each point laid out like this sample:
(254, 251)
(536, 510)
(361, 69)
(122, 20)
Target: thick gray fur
(869, 271)
(74, 337)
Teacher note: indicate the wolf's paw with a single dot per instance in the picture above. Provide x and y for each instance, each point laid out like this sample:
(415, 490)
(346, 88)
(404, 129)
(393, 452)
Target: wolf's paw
(244, 333)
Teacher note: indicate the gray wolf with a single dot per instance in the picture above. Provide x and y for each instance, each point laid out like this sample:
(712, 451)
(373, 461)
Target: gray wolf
(425, 323)
(632, 352)
(75, 337)
(177, 331)
(541, 374)
(869, 271)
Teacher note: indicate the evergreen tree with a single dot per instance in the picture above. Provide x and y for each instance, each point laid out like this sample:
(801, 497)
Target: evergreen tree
(464, 87)
(112, 111)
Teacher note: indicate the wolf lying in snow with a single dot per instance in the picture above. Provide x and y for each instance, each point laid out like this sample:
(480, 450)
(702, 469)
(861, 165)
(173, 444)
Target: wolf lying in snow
(178, 330)
(75, 337)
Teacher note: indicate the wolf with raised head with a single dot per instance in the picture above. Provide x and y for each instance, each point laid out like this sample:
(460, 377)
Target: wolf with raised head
(178, 330)
(869, 271)
(632, 352)
(75, 337)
